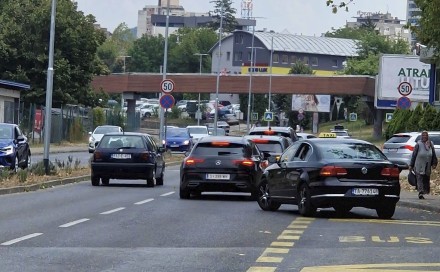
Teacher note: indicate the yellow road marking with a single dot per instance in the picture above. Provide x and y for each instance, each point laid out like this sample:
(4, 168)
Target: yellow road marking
(265, 259)
(275, 250)
(407, 267)
(292, 232)
(396, 222)
(282, 244)
(288, 237)
(304, 219)
(294, 226)
(261, 269)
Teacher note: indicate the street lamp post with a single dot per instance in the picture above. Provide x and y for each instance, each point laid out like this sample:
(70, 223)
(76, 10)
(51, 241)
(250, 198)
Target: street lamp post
(253, 62)
(164, 75)
(200, 72)
(218, 68)
(270, 79)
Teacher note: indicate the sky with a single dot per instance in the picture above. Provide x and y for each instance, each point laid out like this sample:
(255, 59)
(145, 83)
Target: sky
(302, 17)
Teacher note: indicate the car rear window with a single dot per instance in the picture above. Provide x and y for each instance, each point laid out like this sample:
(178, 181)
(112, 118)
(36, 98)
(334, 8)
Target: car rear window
(434, 138)
(273, 147)
(104, 130)
(397, 139)
(219, 149)
(270, 132)
(349, 151)
(119, 141)
(198, 130)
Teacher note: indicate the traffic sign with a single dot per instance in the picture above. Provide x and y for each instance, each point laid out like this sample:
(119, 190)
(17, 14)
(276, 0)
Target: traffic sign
(254, 116)
(403, 103)
(353, 117)
(167, 85)
(268, 116)
(166, 101)
(405, 88)
(388, 117)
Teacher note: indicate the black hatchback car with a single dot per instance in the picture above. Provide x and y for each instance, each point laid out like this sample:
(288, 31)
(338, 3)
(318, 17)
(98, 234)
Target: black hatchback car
(338, 173)
(221, 164)
(127, 155)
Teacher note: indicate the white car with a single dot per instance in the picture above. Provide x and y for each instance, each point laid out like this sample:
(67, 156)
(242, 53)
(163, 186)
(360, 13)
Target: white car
(97, 134)
(197, 132)
(148, 110)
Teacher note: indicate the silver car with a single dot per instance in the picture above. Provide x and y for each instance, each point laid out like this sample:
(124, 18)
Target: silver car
(400, 146)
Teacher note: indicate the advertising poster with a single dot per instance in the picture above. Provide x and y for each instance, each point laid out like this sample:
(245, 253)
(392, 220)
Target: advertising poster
(310, 103)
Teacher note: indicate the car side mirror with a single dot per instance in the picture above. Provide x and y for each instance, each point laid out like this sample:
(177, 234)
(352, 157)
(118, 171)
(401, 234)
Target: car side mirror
(186, 154)
(161, 149)
(272, 159)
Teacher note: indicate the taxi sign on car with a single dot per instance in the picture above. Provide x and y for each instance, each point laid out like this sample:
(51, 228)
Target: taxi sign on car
(327, 135)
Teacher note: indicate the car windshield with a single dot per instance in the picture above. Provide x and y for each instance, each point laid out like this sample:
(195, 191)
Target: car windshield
(198, 130)
(344, 151)
(119, 141)
(272, 147)
(104, 130)
(208, 149)
(5, 132)
(177, 133)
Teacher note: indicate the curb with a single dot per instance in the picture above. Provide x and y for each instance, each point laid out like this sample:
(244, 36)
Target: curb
(420, 206)
(42, 185)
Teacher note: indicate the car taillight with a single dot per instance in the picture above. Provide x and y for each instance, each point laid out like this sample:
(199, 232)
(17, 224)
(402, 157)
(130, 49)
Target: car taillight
(409, 147)
(333, 171)
(220, 143)
(145, 156)
(392, 172)
(97, 155)
(245, 162)
(193, 161)
(260, 141)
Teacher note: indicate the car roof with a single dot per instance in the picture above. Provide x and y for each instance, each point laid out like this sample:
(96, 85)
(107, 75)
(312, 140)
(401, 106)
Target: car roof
(230, 139)
(286, 129)
(336, 140)
(8, 124)
(195, 126)
(127, 134)
(267, 137)
(109, 126)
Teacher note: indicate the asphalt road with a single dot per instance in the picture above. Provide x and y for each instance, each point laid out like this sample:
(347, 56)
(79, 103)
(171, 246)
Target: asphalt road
(129, 227)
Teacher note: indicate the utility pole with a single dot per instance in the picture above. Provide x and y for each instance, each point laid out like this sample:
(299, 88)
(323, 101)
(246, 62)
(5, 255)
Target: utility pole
(200, 73)
(164, 73)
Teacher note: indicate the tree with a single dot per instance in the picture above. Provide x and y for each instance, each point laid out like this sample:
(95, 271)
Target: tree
(147, 54)
(224, 7)
(427, 31)
(413, 121)
(428, 118)
(24, 37)
(338, 5)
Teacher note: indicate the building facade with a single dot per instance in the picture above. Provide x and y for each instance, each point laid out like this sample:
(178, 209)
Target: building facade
(412, 17)
(10, 101)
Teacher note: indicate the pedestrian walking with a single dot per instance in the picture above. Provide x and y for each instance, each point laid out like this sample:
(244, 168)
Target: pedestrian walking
(423, 159)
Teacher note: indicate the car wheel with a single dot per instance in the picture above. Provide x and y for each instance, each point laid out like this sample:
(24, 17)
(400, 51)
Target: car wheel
(264, 199)
(105, 181)
(386, 212)
(95, 180)
(28, 161)
(342, 209)
(184, 193)
(305, 206)
(147, 115)
(159, 180)
(151, 181)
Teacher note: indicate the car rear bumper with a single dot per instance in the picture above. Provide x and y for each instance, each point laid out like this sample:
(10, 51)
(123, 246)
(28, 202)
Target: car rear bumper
(239, 182)
(123, 170)
(401, 160)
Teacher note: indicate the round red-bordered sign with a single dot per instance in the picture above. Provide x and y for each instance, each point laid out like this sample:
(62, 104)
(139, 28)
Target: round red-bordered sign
(166, 101)
(167, 85)
(405, 88)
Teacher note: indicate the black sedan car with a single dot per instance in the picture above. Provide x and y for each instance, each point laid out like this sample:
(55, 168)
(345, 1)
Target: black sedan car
(15, 152)
(221, 164)
(338, 173)
(127, 155)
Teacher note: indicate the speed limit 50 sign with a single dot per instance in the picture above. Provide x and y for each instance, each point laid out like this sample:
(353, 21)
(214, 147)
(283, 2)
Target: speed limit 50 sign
(405, 88)
(167, 85)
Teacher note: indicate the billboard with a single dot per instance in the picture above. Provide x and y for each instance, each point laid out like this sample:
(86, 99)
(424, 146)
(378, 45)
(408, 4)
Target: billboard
(311, 103)
(403, 75)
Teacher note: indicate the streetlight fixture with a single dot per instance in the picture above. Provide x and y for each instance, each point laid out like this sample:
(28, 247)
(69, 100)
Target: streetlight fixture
(200, 73)
(220, 33)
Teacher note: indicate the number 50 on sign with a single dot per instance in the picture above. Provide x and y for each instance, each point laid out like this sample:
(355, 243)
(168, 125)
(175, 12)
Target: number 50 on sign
(405, 88)
(167, 85)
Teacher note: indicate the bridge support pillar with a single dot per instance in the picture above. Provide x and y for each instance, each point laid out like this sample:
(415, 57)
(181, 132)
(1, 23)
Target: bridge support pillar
(131, 98)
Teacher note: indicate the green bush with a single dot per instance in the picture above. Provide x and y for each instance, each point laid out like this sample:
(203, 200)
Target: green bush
(98, 117)
(398, 123)
(38, 169)
(428, 118)
(413, 121)
(22, 176)
(175, 113)
(4, 174)
(76, 131)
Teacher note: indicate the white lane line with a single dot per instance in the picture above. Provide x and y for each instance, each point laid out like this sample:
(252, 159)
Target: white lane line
(144, 201)
(167, 194)
(113, 211)
(74, 223)
(8, 243)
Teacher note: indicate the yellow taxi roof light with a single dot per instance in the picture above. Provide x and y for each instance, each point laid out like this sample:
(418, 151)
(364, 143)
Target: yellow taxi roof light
(327, 135)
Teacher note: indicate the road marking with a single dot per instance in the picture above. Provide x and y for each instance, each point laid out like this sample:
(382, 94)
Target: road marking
(144, 201)
(113, 211)
(167, 194)
(74, 223)
(289, 231)
(396, 222)
(378, 239)
(276, 250)
(407, 267)
(288, 237)
(8, 243)
(265, 259)
(282, 244)
(261, 269)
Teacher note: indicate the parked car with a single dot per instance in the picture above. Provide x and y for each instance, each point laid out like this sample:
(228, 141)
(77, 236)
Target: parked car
(280, 131)
(220, 124)
(341, 133)
(127, 155)
(97, 134)
(326, 172)
(197, 132)
(178, 139)
(220, 131)
(221, 164)
(400, 146)
(14, 149)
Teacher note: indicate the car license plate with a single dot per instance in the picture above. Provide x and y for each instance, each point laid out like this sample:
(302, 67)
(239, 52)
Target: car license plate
(121, 156)
(365, 191)
(174, 145)
(218, 176)
(392, 149)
